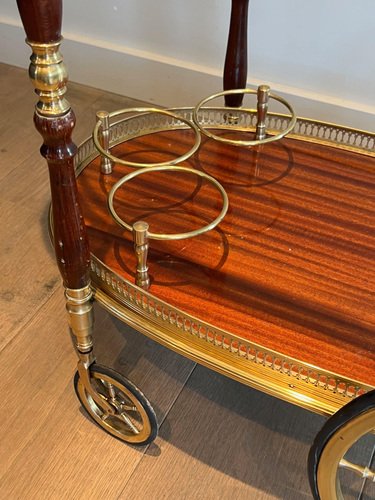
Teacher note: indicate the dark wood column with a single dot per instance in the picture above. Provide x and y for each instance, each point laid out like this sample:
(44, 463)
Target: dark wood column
(55, 121)
(235, 69)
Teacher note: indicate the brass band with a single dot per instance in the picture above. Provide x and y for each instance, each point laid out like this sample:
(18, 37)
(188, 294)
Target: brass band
(49, 76)
(80, 314)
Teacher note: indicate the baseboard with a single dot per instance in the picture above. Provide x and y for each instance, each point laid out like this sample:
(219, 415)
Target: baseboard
(170, 82)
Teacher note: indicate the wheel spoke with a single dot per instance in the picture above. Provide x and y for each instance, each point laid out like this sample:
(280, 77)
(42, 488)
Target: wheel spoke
(111, 390)
(364, 472)
(128, 421)
(121, 408)
(126, 407)
(100, 384)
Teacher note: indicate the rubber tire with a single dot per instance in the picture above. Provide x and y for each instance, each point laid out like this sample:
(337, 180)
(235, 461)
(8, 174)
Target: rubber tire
(350, 411)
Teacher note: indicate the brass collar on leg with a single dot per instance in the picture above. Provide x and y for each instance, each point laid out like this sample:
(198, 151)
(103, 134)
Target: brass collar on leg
(49, 76)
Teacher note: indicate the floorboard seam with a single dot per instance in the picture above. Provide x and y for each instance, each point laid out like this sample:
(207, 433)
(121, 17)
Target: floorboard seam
(160, 426)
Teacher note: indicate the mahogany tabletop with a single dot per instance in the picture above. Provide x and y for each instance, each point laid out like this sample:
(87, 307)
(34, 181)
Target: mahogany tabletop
(290, 267)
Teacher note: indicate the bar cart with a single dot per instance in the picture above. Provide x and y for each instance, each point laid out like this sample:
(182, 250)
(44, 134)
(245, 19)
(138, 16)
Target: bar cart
(238, 236)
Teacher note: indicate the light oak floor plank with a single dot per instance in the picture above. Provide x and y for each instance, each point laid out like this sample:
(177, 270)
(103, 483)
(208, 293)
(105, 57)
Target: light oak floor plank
(224, 440)
(48, 448)
(16, 103)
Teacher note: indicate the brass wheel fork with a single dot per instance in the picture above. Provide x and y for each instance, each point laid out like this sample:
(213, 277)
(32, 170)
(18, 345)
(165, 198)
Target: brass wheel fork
(79, 304)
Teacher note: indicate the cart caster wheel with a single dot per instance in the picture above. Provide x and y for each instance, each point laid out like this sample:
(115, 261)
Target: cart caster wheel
(134, 420)
(328, 457)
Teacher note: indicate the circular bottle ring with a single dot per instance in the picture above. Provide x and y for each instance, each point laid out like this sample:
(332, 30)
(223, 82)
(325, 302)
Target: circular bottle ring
(163, 168)
(257, 142)
(113, 158)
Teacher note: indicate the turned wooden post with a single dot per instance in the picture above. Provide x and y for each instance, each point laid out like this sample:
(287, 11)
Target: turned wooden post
(235, 68)
(55, 121)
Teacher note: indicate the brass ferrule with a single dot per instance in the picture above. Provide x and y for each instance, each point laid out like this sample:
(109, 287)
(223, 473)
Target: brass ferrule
(79, 295)
(103, 134)
(140, 238)
(263, 94)
(81, 316)
(49, 76)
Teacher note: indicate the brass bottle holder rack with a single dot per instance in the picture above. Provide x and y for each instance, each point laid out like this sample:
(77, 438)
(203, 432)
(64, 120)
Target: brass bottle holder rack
(140, 229)
(101, 136)
(263, 96)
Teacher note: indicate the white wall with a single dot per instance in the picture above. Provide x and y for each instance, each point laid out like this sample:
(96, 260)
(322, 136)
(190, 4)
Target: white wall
(317, 53)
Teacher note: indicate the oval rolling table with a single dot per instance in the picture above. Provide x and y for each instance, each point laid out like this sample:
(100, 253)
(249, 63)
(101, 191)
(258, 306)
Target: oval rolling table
(251, 256)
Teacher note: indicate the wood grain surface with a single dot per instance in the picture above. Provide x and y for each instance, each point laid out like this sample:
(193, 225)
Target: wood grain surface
(70, 236)
(41, 19)
(236, 60)
(291, 265)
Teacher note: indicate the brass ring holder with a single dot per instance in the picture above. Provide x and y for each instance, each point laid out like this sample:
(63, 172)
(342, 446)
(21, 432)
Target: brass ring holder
(140, 231)
(263, 140)
(165, 236)
(106, 154)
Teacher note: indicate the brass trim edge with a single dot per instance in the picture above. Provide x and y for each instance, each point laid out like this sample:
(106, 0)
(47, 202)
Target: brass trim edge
(250, 363)
(308, 130)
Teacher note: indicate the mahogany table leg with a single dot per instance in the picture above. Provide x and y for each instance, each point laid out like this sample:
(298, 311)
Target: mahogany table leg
(100, 389)
(235, 68)
(55, 121)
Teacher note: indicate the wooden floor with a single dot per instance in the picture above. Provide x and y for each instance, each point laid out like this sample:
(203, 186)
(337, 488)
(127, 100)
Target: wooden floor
(218, 439)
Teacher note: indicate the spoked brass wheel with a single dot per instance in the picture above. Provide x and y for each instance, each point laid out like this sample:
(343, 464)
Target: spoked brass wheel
(341, 461)
(133, 419)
